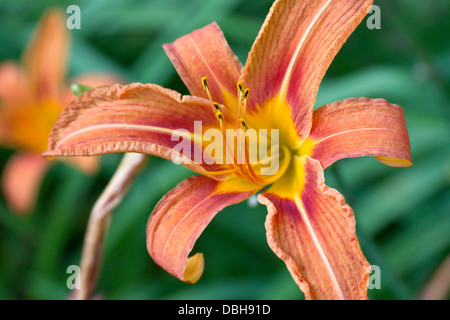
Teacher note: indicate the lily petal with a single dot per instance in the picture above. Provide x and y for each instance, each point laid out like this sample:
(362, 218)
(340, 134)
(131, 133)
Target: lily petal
(181, 216)
(89, 165)
(205, 53)
(45, 57)
(313, 231)
(13, 96)
(13, 86)
(21, 179)
(359, 127)
(141, 118)
(293, 50)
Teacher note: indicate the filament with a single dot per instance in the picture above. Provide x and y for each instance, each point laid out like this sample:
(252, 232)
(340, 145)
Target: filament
(243, 170)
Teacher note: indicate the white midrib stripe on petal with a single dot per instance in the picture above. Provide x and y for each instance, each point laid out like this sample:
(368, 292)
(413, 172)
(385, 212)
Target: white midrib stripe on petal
(178, 133)
(191, 210)
(348, 131)
(319, 248)
(288, 74)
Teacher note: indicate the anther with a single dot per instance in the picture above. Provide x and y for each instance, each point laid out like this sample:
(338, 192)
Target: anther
(240, 87)
(205, 84)
(242, 94)
(244, 101)
(245, 96)
(206, 88)
(214, 105)
(219, 116)
(243, 124)
(218, 108)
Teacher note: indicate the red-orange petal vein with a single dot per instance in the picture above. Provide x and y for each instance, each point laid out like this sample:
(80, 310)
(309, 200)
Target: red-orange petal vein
(181, 216)
(205, 53)
(296, 44)
(313, 231)
(142, 118)
(357, 127)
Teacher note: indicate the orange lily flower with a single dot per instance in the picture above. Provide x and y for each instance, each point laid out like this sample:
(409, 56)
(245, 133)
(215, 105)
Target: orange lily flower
(31, 97)
(308, 225)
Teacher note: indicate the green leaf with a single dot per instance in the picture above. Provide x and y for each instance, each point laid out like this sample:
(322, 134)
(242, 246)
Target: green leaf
(399, 193)
(153, 65)
(424, 236)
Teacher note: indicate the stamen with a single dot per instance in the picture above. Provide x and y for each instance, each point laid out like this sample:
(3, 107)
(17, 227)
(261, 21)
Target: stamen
(217, 107)
(245, 96)
(284, 166)
(248, 169)
(244, 101)
(221, 172)
(243, 124)
(217, 110)
(219, 116)
(240, 88)
(240, 92)
(205, 84)
(245, 170)
(239, 151)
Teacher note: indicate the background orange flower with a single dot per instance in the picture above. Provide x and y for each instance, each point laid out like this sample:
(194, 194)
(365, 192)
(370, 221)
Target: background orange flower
(32, 94)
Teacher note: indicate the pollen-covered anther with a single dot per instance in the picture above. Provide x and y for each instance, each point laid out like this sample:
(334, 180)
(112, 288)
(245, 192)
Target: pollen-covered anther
(217, 107)
(243, 124)
(240, 89)
(245, 95)
(205, 84)
(208, 93)
(242, 166)
(242, 100)
(219, 117)
(217, 110)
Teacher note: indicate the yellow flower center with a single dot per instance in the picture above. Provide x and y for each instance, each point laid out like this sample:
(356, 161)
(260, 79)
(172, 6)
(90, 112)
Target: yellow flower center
(32, 124)
(262, 144)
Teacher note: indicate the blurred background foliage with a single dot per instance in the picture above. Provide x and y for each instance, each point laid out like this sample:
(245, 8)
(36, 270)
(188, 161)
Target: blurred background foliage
(403, 214)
